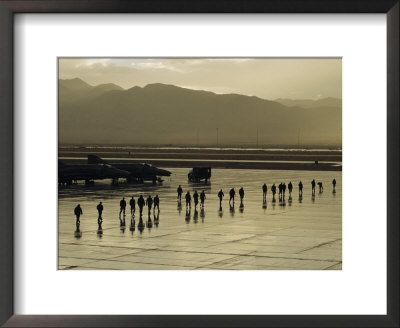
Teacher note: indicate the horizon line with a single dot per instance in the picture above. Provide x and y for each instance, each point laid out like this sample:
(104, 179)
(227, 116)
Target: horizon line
(188, 88)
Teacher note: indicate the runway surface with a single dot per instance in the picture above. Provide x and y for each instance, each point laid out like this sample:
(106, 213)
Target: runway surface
(298, 234)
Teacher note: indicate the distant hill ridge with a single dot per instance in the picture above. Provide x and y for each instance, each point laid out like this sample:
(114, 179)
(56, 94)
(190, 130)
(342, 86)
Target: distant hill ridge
(77, 84)
(168, 114)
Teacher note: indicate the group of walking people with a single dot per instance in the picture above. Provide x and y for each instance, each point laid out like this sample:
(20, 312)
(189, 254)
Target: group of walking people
(154, 203)
(188, 197)
(232, 194)
(282, 188)
(141, 202)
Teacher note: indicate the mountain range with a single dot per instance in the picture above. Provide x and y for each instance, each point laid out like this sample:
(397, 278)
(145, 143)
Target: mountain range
(170, 115)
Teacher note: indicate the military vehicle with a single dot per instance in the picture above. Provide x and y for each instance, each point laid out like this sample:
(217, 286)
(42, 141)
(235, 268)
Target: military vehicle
(199, 173)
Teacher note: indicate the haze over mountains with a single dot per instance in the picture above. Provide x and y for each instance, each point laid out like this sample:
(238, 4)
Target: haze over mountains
(310, 103)
(170, 115)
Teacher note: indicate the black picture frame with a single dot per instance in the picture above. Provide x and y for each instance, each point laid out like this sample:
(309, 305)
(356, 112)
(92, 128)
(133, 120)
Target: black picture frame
(10, 7)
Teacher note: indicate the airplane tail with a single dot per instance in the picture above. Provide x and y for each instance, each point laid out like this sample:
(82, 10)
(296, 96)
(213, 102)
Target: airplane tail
(93, 159)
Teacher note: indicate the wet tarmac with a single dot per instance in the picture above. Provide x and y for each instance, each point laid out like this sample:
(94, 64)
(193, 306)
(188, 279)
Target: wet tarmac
(298, 233)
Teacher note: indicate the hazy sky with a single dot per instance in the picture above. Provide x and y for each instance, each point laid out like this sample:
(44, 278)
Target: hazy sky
(265, 78)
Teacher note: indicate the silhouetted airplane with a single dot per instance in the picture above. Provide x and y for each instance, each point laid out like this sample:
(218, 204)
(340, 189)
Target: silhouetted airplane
(137, 171)
(67, 173)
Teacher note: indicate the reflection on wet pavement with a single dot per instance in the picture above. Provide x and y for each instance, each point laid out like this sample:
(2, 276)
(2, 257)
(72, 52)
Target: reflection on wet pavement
(292, 232)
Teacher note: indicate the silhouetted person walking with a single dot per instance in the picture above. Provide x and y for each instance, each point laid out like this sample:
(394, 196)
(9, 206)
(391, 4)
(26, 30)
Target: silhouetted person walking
(100, 211)
(78, 212)
(100, 208)
(264, 189)
(202, 198)
(321, 188)
(280, 187)
(284, 189)
(122, 205)
(300, 188)
(156, 203)
(179, 191)
(220, 196)
(273, 189)
(188, 199)
(140, 203)
(313, 186)
(290, 187)
(241, 194)
(334, 185)
(196, 199)
(232, 196)
(132, 204)
(149, 203)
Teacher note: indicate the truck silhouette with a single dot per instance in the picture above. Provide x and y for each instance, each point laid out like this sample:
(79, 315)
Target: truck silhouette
(199, 173)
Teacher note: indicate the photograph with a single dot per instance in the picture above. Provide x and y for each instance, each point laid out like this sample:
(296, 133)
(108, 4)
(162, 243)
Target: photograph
(199, 163)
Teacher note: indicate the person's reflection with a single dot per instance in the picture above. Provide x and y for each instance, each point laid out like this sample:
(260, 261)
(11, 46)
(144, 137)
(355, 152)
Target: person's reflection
(187, 215)
(78, 233)
(156, 218)
(141, 224)
(313, 197)
(232, 209)
(220, 212)
(202, 214)
(179, 207)
(122, 221)
(264, 204)
(282, 201)
(132, 226)
(195, 215)
(290, 201)
(149, 223)
(241, 207)
(300, 198)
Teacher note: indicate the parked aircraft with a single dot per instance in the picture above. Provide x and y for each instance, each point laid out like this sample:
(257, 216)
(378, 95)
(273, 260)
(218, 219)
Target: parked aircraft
(138, 172)
(68, 173)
